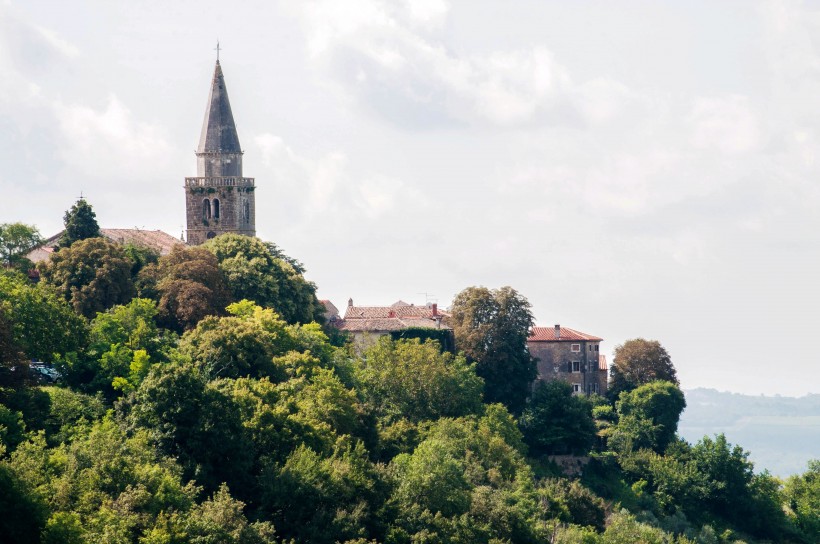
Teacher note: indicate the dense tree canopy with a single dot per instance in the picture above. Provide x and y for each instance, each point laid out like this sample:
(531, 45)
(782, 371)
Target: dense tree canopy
(251, 427)
(648, 416)
(42, 323)
(557, 422)
(16, 240)
(93, 275)
(187, 285)
(638, 362)
(414, 381)
(80, 223)
(491, 327)
(262, 273)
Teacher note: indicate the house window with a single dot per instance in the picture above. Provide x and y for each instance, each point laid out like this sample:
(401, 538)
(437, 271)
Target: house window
(206, 209)
(592, 388)
(575, 347)
(216, 208)
(576, 366)
(596, 347)
(576, 388)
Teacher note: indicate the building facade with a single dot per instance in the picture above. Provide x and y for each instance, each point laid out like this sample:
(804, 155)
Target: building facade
(219, 199)
(366, 324)
(569, 355)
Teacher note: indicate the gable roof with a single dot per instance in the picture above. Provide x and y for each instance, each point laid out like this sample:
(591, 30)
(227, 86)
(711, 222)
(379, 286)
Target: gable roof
(388, 324)
(547, 334)
(159, 241)
(399, 309)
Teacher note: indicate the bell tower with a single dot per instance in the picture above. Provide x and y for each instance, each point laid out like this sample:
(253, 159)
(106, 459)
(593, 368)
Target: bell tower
(219, 199)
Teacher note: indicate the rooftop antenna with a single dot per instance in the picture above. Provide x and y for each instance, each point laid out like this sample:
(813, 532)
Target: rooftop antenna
(81, 196)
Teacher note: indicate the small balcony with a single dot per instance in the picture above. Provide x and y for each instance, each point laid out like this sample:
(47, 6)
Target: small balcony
(220, 182)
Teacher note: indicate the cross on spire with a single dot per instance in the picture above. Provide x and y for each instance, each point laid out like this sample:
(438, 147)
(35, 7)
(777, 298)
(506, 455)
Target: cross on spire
(217, 49)
(81, 196)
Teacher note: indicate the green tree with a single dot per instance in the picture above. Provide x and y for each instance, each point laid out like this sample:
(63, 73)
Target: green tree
(187, 285)
(42, 323)
(257, 271)
(80, 223)
(69, 414)
(638, 362)
(254, 342)
(194, 422)
(491, 327)
(140, 257)
(323, 500)
(105, 486)
(16, 240)
(93, 275)
(415, 381)
(219, 519)
(802, 493)
(12, 360)
(124, 341)
(557, 422)
(24, 513)
(570, 502)
(466, 482)
(648, 416)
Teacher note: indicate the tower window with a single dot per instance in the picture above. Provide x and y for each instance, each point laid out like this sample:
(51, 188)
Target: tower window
(246, 212)
(206, 209)
(216, 208)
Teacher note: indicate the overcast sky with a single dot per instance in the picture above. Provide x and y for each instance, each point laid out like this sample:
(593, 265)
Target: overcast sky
(633, 168)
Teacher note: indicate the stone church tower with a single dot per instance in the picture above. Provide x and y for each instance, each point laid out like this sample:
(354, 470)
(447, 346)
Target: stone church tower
(219, 199)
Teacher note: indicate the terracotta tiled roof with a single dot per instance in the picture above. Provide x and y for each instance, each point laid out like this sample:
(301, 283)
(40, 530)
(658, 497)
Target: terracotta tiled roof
(396, 310)
(602, 363)
(154, 239)
(547, 334)
(387, 324)
(157, 240)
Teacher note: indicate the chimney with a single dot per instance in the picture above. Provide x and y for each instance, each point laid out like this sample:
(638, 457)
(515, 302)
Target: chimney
(557, 332)
(435, 309)
(350, 302)
(392, 313)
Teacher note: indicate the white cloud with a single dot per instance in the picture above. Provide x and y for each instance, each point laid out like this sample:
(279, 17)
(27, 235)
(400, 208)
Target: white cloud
(728, 124)
(109, 142)
(379, 50)
(328, 187)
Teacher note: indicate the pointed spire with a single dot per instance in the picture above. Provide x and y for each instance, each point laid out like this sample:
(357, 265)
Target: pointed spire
(218, 129)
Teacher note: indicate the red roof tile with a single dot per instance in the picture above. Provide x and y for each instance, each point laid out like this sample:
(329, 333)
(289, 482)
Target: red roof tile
(387, 324)
(371, 312)
(547, 334)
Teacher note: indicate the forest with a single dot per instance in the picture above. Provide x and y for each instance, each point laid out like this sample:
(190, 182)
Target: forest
(200, 397)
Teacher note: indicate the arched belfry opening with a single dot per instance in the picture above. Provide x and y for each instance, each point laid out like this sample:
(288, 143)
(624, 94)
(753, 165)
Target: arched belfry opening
(219, 199)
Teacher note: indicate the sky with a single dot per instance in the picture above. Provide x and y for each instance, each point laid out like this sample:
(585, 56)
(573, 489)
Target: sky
(634, 168)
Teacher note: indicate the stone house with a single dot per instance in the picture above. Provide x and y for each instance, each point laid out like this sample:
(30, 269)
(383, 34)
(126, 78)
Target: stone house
(366, 324)
(573, 356)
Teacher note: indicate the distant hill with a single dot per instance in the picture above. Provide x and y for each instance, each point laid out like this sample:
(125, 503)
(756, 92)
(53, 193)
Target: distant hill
(781, 433)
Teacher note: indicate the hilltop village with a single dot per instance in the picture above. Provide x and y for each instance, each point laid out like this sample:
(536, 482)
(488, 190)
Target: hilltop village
(163, 390)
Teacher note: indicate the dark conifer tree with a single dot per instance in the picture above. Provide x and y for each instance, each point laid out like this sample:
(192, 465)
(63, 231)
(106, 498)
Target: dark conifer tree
(80, 223)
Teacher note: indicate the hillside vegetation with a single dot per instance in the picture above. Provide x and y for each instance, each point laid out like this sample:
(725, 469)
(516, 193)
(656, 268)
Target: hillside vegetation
(202, 400)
